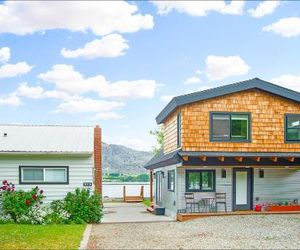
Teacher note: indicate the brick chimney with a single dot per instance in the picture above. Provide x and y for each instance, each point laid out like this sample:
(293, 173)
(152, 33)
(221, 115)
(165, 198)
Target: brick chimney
(97, 160)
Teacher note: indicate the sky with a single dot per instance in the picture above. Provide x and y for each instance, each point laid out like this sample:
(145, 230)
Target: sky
(117, 64)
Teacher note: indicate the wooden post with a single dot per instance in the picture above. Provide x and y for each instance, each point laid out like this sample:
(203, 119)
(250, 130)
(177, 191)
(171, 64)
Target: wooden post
(142, 192)
(151, 186)
(124, 193)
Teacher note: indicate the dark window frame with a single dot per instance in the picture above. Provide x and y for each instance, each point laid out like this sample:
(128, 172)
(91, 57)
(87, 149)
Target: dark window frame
(43, 182)
(230, 128)
(286, 140)
(200, 171)
(178, 130)
(170, 180)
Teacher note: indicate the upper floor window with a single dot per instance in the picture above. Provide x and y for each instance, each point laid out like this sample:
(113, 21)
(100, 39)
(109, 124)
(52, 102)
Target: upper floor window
(292, 128)
(230, 127)
(178, 130)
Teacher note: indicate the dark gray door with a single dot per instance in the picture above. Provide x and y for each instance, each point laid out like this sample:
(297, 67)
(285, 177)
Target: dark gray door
(242, 188)
(158, 178)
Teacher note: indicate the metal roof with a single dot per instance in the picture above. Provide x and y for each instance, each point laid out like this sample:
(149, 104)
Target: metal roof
(254, 83)
(161, 160)
(46, 139)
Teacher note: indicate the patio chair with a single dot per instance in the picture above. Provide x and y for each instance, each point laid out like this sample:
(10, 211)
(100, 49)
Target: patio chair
(190, 202)
(221, 200)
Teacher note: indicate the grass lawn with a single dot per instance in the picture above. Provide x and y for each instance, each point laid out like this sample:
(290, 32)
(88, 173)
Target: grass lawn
(40, 236)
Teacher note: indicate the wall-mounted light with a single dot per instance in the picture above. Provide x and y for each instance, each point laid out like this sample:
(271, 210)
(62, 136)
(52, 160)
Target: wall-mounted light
(261, 173)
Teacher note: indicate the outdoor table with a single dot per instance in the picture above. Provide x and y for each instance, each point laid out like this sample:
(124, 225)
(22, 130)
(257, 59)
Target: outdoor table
(208, 204)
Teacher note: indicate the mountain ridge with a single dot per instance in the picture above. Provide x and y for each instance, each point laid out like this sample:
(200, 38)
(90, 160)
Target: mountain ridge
(122, 159)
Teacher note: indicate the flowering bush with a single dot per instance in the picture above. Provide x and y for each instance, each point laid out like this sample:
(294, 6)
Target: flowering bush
(83, 207)
(26, 207)
(57, 213)
(18, 204)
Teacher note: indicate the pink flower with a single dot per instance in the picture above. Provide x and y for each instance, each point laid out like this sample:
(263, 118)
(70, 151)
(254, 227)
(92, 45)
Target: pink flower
(34, 196)
(4, 182)
(3, 188)
(8, 189)
(27, 202)
(41, 191)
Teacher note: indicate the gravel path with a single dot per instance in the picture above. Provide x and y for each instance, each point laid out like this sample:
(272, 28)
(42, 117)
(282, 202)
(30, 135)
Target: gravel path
(258, 231)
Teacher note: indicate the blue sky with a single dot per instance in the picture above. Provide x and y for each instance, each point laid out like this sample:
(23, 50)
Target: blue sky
(117, 64)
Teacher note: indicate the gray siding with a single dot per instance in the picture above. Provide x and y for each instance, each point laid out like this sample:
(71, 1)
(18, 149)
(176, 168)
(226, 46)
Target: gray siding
(277, 185)
(80, 170)
(223, 185)
(168, 197)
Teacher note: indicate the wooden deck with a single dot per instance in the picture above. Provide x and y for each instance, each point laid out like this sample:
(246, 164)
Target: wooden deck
(191, 216)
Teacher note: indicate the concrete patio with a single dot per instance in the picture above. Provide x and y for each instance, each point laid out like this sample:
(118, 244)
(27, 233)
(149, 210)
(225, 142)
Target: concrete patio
(129, 212)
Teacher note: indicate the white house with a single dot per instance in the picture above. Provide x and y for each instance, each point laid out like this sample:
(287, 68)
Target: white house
(56, 158)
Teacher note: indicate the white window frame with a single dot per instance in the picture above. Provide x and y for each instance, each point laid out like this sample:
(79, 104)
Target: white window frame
(44, 168)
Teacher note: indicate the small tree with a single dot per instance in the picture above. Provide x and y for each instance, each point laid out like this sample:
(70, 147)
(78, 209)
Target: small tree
(159, 134)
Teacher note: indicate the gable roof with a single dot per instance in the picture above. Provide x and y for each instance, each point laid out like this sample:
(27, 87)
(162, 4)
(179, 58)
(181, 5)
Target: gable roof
(254, 83)
(40, 139)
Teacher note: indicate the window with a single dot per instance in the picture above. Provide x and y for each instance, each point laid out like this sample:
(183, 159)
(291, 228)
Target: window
(44, 175)
(178, 130)
(200, 180)
(171, 180)
(292, 128)
(230, 127)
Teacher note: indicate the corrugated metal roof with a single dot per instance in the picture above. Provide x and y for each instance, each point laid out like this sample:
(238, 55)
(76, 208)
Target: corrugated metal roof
(254, 83)
(46, 139)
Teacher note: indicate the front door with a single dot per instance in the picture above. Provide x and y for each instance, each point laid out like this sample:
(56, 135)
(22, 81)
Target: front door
(158, 178)
(242, 188)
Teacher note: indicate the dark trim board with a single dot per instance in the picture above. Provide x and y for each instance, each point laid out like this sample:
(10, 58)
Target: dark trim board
(213, 171)
(232, 162)
(285, 129)
(254, 83)
(42, 183)
(250, 184)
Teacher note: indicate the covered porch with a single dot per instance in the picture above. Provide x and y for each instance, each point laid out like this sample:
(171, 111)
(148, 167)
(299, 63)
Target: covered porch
(223, 183)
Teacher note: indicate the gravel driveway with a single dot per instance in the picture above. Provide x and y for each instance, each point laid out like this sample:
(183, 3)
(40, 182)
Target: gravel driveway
(258, 231)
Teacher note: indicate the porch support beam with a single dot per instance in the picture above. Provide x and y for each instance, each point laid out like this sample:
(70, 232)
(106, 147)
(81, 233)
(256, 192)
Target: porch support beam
(185, 157)
(291, 159)
(239, 158)
(221, 158)
(203, 158)
(274, 159)
(257, 159)
(151, 186)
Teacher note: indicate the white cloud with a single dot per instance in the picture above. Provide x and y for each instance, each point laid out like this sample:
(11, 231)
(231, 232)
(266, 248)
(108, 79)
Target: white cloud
(199, 8)
(100, 17)
(107, 116)
(288, 81)
(87, 105)
(66, 79)
(11, 70)
(166, 98)
(4, 54)
(192, 80)
(10, 100)
(109, 46)
(221, 67)
(285, 27)
(37, 92)
(264, 8)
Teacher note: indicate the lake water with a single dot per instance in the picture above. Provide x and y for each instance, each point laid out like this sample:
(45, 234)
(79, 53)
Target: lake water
(115, 189)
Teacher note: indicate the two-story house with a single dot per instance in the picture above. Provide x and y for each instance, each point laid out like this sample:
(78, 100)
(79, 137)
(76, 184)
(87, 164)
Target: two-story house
(242, 140)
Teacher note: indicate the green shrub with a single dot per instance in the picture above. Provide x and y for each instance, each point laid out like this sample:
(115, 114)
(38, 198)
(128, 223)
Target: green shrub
(83, 207)
(18, 204)
(57, 214)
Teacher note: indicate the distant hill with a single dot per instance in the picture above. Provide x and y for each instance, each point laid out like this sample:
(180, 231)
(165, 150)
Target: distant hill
(120, 159)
